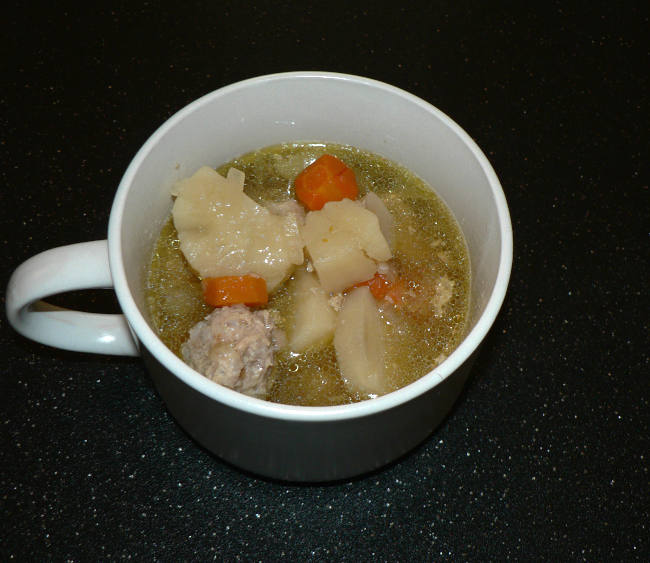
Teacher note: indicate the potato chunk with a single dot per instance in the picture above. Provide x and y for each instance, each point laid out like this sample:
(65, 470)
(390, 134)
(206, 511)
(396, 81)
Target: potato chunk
(345, 243)
(372, 202)
(224, 232)
(313, 318)
(359, 344)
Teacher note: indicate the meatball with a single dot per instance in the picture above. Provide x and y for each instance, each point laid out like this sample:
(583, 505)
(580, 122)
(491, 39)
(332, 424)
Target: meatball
(234, 347)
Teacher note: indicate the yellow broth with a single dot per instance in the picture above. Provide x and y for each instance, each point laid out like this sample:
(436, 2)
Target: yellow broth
(428, 245)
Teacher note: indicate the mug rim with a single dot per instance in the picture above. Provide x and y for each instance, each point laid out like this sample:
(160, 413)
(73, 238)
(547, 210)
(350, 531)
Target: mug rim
(239, 401)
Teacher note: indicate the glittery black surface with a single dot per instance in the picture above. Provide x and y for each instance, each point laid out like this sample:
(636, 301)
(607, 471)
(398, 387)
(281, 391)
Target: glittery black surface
(545, 456)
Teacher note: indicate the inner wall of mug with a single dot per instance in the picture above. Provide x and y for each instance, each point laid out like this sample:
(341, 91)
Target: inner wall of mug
(270, 110)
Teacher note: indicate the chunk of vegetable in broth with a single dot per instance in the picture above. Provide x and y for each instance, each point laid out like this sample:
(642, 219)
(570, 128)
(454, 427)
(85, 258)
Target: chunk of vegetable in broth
(223, 232)
(313, 319)
(373, 202)
(226, 291)
(324, 180)
(359, 344)
(345, 243)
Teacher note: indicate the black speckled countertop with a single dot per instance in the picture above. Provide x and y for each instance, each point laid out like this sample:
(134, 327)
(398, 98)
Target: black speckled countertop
(546, 455)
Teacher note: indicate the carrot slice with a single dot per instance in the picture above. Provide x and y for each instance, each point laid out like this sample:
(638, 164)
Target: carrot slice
(233, 290)
(378, 284)
(397, 291)
(382, 288)
(326, 179)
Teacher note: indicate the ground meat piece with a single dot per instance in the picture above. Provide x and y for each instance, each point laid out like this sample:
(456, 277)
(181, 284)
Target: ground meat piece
(234, 347)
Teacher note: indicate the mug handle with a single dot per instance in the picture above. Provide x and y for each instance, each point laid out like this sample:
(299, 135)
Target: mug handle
(67, 268)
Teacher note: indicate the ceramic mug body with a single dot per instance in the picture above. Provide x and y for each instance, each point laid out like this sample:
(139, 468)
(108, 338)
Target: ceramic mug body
(282, 441)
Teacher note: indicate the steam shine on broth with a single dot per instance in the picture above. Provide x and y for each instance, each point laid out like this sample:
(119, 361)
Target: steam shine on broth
(428, 252)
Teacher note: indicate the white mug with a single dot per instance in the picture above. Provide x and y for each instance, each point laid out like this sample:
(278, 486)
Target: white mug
(274, 440)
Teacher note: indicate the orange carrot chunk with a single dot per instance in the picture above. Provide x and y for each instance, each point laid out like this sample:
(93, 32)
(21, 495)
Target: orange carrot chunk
(382, 288)
(379, 286)
(326, 179)
(397, 292)
(233, 290)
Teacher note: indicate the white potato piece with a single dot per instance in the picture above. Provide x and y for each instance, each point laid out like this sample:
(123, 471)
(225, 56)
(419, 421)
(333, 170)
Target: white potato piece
(374, 203)
(359, 344)
(345, 242)
(362, 224)
(224, 232)
(313, 319)
(338, 261)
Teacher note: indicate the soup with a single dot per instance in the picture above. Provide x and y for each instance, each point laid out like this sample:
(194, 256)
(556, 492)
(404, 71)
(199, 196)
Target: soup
(420, 292)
